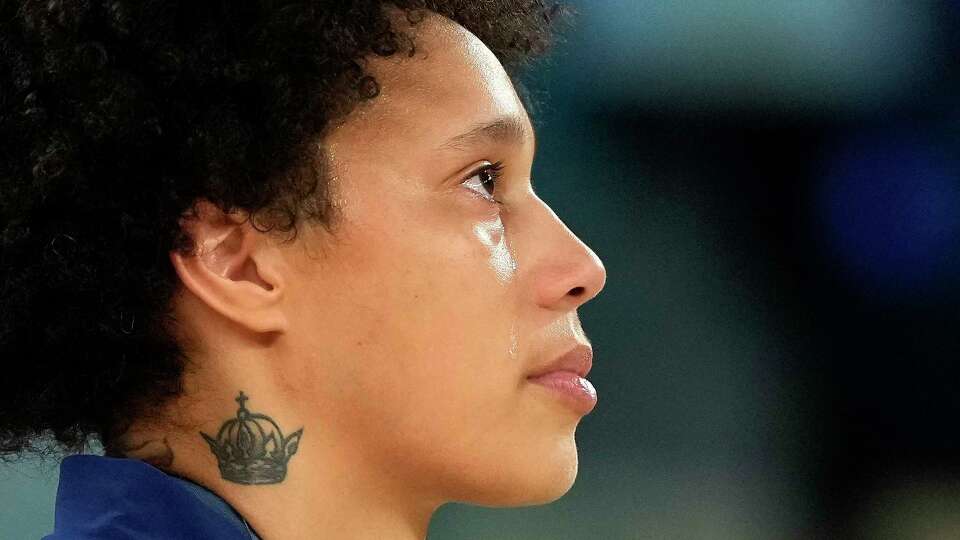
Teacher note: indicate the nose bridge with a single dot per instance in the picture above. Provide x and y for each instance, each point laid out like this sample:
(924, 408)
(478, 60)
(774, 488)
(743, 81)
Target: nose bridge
(566, 272)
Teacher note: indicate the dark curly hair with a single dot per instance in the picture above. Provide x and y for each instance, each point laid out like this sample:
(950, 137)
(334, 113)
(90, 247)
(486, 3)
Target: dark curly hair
(115, 118)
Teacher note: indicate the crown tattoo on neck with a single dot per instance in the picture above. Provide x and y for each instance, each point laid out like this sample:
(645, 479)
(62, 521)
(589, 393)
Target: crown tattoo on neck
(251, 448)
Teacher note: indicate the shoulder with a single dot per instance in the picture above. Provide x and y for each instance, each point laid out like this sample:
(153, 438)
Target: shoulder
(106, 498)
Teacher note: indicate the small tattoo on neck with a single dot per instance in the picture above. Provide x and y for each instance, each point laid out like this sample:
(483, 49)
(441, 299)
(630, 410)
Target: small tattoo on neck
(251, 448)
(155, 452)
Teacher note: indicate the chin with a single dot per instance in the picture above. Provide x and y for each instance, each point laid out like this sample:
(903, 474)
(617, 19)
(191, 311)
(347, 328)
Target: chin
(547, 492)
(535, 483)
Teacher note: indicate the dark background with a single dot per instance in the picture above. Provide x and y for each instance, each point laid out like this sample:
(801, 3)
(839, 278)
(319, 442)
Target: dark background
(774, 188)
(779, 211)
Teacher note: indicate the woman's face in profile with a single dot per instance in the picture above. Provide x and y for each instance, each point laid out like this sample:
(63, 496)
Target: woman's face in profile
(430, 303)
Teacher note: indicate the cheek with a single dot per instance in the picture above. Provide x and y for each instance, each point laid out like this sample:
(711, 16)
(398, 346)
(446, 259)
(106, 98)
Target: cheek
(422, 337)
(420, 304)
(441, 323)
(491, 235)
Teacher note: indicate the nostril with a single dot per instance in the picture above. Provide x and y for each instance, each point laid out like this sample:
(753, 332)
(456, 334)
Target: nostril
(576, 291)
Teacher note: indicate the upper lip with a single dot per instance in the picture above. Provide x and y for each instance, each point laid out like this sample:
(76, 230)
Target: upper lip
(579, 360)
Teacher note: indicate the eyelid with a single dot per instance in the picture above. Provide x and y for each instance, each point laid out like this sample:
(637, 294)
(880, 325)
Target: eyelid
(495, 169)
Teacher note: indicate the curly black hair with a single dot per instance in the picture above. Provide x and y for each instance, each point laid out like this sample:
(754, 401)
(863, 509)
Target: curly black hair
(116, 117)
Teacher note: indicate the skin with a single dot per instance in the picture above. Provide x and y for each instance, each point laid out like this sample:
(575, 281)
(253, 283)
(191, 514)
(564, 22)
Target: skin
(400, 340)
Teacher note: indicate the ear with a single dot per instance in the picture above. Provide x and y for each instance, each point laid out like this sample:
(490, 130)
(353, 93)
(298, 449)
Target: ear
(236, 270)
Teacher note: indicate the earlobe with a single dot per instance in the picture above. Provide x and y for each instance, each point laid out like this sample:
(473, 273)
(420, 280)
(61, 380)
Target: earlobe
(236, 270)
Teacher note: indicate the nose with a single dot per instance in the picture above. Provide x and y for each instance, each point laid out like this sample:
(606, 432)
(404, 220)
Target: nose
(568, 272)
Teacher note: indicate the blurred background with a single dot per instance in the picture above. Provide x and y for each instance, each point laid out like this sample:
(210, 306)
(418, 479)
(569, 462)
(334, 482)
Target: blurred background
(774, 187)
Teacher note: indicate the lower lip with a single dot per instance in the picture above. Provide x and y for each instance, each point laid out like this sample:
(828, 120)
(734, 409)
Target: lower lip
(571, 388)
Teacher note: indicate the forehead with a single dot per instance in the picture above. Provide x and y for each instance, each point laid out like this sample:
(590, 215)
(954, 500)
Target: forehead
(452, 83)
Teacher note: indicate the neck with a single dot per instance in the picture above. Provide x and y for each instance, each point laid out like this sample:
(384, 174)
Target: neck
(330, 488)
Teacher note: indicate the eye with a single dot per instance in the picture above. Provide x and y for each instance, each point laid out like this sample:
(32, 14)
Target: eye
(483, 181)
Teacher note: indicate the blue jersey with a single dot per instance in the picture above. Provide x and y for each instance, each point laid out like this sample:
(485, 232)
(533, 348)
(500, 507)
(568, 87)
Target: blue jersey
(107, 498)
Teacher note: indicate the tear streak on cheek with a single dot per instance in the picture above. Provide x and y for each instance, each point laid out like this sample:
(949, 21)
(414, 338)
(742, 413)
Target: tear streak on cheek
(491, 235)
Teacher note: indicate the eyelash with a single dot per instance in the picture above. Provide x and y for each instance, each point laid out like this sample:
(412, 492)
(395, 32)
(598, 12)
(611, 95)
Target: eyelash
(495, 172)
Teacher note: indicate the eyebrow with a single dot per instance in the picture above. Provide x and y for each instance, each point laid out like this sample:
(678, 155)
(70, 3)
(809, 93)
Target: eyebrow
(505, 129)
